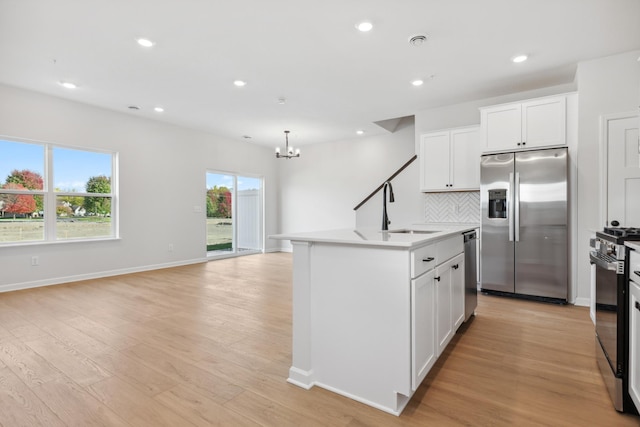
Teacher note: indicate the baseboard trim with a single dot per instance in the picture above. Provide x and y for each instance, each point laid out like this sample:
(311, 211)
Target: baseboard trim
(98, 275)
(583, 302)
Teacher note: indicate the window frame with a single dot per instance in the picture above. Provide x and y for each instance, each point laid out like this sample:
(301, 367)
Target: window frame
(50, 195)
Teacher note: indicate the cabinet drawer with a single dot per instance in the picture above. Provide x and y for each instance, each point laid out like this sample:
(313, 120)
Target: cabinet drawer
(423, 259)
(449, 248)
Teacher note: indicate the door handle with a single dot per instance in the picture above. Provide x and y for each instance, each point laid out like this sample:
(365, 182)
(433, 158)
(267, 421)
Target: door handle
(516, 208)
(510, 206)
(637, 305)
(437, 278)
(455, 267)
(429, 259)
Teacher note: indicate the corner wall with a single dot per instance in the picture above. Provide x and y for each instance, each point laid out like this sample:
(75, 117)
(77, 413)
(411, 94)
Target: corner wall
(320, 189)
(606, 86)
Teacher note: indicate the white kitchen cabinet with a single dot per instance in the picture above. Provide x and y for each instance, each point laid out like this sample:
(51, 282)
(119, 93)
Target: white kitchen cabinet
(634, 334)
(449, 280)
(423, 325)
(457, 292)
(450, 160)
(530, 124)
(369, 331)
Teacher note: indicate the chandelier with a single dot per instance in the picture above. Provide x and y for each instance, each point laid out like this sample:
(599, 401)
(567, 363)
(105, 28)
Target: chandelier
(288, 150)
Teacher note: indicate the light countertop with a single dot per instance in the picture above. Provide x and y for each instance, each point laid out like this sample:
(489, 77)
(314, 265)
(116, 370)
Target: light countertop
(375, 237)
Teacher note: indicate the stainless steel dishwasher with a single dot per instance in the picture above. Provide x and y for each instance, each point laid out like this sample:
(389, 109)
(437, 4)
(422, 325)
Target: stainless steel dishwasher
(470, 273)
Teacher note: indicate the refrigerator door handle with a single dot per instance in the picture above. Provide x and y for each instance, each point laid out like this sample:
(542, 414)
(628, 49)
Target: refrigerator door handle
(516, 207)
(510, 206)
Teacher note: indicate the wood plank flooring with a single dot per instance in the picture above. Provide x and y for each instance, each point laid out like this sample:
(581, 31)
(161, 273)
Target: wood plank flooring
(209, 345)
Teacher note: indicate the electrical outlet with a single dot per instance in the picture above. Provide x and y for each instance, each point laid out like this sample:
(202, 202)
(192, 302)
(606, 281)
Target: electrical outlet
(35, 261)
(170, 248)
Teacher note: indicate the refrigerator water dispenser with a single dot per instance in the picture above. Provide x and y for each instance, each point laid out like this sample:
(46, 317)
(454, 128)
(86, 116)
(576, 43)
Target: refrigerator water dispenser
(498, 203)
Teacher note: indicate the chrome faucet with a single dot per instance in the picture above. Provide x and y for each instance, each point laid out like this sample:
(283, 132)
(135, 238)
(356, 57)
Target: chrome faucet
(385, 217)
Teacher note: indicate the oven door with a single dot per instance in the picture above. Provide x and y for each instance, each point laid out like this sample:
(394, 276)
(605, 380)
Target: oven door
(608, 279)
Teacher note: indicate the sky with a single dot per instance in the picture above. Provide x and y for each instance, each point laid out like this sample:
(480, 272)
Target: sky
(222, 180)
(72, 168)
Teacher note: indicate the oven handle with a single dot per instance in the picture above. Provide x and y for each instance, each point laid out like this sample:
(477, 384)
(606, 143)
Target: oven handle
(612, 266)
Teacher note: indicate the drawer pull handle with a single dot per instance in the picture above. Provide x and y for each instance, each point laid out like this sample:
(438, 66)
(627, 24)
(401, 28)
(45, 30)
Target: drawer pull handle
(637, 305)
(428, 259)
(455, 267)
(437, 278)
(637, 273)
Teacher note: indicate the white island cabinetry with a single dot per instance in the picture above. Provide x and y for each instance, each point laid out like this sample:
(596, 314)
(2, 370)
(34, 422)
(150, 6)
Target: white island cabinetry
(365, 311)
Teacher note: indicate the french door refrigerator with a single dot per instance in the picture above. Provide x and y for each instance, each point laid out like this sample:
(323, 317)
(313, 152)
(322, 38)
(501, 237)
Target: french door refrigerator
(524, 236)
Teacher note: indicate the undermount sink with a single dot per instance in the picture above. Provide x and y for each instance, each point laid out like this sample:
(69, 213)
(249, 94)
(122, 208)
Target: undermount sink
(413, 231)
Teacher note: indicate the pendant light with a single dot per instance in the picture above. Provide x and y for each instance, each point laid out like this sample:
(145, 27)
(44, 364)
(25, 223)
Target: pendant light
(288, 150)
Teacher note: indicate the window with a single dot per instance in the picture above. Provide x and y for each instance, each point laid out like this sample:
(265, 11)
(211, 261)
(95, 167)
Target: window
(54, 193)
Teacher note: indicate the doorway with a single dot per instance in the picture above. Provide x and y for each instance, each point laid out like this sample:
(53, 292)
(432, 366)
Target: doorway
(234, 214)
(622, 170)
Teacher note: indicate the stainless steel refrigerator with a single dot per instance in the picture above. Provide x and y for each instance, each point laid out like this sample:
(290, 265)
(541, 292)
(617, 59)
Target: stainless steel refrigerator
(524, 236)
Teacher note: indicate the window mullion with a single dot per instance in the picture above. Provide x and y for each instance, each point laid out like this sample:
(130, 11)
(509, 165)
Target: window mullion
(49, 196)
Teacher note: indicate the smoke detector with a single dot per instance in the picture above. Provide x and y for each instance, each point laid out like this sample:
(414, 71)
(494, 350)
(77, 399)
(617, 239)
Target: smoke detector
(417, 40)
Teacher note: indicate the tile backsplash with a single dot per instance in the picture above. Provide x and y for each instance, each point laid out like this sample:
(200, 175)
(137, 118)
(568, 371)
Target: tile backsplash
(452, 207)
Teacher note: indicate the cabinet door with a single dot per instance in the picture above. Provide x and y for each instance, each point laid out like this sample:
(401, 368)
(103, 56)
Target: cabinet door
(434, 162)
(444, 325)
(634, 343)
(465, 159)
(457, 291)
(544, 122)
(501, 127)
(423, 321)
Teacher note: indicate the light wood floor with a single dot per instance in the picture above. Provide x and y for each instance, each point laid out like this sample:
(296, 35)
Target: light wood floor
(209, 344)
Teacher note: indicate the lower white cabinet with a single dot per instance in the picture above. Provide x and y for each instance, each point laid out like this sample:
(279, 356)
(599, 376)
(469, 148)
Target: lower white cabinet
(444, 326)
(449, 280)
(423, 321)
(634, 342)
(457, 292)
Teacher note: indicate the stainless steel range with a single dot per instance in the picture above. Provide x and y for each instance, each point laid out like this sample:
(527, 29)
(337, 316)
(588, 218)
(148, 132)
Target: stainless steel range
(612, 318)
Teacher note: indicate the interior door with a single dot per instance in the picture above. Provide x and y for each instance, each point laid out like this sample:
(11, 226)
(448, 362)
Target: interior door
(623, 172)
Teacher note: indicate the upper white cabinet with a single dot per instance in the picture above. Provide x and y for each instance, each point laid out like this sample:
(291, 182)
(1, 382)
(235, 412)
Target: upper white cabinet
(530, 124)
(450, 160)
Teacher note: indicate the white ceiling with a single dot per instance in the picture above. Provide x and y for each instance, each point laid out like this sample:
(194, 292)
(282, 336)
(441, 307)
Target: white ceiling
(335, 79)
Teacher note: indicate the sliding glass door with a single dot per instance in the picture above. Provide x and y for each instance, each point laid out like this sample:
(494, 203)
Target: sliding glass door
(234, 214)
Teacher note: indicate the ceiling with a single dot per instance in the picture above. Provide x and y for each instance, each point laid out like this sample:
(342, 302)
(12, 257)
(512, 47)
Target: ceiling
(334, 79)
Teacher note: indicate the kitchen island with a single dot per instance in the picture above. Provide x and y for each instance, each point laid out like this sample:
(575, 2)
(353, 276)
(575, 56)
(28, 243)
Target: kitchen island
(373, 310)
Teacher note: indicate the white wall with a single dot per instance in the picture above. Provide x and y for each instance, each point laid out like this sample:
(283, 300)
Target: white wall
(606, 86)
(320, 189)
(162, 178)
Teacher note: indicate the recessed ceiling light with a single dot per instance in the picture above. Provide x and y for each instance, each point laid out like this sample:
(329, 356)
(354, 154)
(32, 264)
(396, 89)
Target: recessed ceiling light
(239, 83)
(360, 132)
(364, 26)
(158, 109)
(68, 85)
(417, 82)
(145, 42)
(519, 58)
